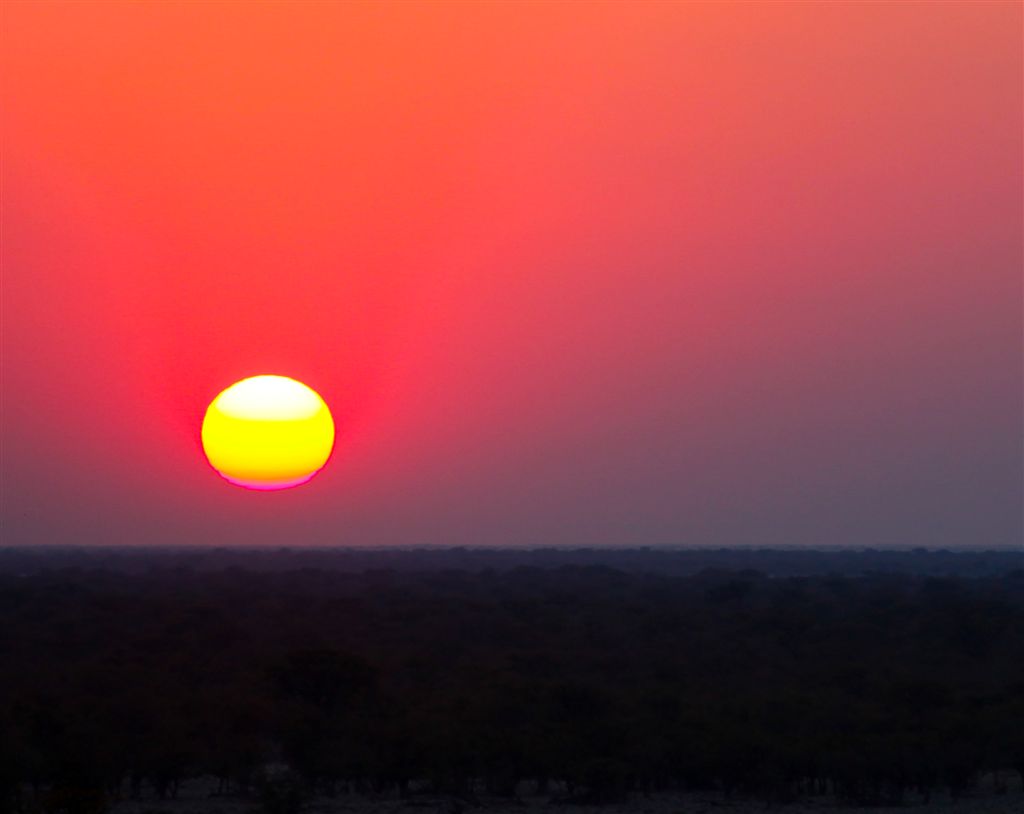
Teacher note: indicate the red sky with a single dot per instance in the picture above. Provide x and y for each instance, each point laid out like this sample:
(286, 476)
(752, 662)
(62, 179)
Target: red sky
(566, 273)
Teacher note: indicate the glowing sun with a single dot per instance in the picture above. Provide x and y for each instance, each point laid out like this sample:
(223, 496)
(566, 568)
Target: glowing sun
(268, 432)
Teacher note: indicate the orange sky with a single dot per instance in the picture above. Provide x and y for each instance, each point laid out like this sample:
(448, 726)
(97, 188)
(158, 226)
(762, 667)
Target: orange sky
(566, 273)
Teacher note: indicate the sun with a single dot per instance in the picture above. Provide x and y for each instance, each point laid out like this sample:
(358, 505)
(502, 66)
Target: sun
(268, 432)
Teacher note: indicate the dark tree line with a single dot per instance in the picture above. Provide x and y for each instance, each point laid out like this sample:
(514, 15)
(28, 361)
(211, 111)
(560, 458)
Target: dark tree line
(588, 682)
(668, 561)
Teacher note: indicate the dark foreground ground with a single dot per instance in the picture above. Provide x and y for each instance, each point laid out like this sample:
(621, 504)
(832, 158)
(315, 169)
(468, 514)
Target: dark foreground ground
(195, 798)
(188, 681)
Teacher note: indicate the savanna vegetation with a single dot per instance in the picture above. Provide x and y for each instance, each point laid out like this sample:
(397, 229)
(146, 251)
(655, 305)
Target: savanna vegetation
(586, 682)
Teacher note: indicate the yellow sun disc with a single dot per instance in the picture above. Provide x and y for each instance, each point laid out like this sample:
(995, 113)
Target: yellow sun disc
(268, 432)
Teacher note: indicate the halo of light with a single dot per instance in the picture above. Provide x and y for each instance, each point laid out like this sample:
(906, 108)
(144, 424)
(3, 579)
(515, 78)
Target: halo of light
(267, 433)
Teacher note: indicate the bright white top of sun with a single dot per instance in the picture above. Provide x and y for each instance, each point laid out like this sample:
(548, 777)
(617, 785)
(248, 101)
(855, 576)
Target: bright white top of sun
(269, 398)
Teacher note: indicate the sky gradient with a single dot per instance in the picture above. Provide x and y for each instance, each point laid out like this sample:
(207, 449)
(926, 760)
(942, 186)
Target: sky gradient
(575, 274)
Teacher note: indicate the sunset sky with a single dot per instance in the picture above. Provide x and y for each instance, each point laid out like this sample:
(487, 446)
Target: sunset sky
(565, 273)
